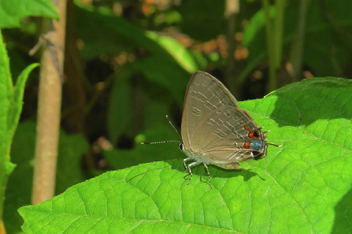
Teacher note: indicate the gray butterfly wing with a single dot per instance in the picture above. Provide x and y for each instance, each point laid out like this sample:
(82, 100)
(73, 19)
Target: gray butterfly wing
(221, 137)
(214, 127)
(204, 94)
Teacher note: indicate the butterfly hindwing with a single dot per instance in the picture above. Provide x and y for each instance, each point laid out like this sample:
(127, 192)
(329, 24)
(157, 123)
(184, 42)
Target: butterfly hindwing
(222, 135)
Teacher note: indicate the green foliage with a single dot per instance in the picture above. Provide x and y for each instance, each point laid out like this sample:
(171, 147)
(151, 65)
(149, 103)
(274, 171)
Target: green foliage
(203, 20)
(119, 159)
(302, 187)
(11, 12)
(16, 97)
(179, 52)
(121, 101)
(10, 110)
(155, 107)
(19, 188)
(325, 51)
(160, 67)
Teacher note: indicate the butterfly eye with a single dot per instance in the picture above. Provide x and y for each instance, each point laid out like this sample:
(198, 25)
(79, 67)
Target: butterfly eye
(181, 146)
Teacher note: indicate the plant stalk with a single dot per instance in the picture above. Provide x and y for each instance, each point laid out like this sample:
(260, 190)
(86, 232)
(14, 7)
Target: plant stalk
(49, 107)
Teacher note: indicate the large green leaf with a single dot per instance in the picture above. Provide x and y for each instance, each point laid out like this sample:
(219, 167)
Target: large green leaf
(302, 187)
(11, 12)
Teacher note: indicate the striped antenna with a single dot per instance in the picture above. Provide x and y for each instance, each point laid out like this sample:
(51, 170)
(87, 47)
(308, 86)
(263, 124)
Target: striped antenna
(162, 142)
(158, 142)
(167, 117)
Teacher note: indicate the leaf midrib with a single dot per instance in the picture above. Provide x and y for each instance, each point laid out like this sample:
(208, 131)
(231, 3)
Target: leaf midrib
(122, 218)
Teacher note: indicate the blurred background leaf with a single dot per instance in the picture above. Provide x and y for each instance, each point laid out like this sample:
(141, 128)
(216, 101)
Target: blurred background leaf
(147, 153)
(11, 12)
(202, 19)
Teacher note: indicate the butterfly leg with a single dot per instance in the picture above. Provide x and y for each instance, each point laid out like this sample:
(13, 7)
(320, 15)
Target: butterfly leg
(184, 163)
(190, 171)
(206, 167)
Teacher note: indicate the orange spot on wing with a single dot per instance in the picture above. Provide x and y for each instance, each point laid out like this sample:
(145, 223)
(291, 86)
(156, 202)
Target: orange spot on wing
(247, 128)
(246, 145)
(252, 135)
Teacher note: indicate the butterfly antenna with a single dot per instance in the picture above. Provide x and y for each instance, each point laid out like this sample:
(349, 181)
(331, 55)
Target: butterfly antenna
(274, 144)
(271, 143)
(158, 142)
(162, 142)
(167, 117)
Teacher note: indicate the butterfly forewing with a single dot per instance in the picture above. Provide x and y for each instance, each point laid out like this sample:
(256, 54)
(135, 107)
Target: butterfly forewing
(204, 94)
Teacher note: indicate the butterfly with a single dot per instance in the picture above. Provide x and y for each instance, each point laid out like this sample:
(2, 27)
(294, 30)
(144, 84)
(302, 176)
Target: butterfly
(215, 130)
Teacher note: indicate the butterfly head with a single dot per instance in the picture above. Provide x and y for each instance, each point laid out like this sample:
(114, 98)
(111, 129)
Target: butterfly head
(259, 149)
(258, 145)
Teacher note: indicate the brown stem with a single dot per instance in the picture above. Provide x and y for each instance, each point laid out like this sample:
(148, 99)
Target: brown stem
(49, 106)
